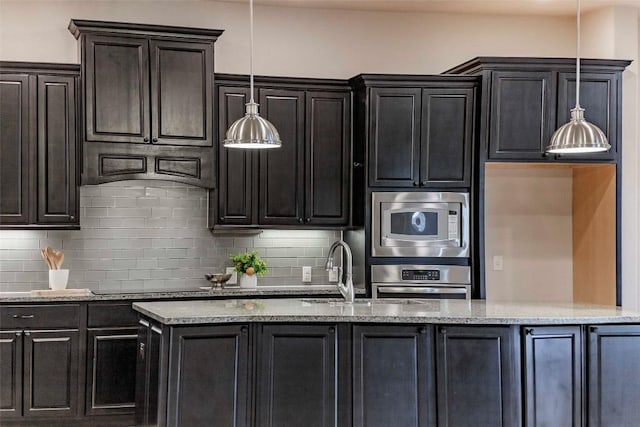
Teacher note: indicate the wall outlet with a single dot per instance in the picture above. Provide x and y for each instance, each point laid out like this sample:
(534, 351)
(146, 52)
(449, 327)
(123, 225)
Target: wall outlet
(306, 274)
(498, 263)
(333, 274)
(234, 276)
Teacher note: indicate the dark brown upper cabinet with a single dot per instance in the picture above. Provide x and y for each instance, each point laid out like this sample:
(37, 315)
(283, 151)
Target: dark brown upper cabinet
(38, 145)
(526, 99)
(307, 180)
(418, 130)
(147, 102)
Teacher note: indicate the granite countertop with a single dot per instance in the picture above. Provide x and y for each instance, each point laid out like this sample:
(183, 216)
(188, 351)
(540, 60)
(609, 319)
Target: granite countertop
(160, 294)
(408, 311)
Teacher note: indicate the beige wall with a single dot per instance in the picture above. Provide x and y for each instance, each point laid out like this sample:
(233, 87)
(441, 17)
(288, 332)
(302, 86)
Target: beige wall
(294, 41)
(528, 223)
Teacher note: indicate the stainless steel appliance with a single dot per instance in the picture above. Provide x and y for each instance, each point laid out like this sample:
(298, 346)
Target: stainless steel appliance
(421, 281)
(420, 224)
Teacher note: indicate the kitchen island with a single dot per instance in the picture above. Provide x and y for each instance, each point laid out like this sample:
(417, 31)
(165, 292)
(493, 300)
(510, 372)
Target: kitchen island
(315, 362)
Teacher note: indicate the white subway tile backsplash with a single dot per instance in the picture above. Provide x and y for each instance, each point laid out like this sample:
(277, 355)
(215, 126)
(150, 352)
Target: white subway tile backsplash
(153, 234)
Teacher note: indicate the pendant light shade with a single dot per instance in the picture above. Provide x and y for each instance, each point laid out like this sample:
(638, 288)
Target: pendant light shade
(578, 136)
(252, 131)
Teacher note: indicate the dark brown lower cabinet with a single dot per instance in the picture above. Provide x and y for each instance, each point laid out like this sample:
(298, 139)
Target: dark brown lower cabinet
(10, 374)
(553, 376)
(209, 376)
(149, 355)
(50, 373)
(478, 376)
(111, 371)
(614, 376)
(297, 376)
(393, 376)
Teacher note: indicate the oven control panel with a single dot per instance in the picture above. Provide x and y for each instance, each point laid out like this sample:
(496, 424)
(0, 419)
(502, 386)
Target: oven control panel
(420, 275)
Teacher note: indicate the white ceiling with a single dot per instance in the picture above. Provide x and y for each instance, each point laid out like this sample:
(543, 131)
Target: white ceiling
(513, 7)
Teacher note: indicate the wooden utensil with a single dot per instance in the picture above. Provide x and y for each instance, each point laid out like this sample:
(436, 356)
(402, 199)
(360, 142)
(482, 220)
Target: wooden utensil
(46, 258)
(58, 259)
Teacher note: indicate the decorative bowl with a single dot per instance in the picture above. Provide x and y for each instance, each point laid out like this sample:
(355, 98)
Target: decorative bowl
(217, 279)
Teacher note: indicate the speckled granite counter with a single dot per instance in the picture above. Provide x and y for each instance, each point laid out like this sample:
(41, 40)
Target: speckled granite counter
(441, 311)
(163, 294)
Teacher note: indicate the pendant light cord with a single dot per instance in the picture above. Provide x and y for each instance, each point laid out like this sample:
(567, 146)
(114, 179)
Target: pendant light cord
(251, 49)
(577, 61)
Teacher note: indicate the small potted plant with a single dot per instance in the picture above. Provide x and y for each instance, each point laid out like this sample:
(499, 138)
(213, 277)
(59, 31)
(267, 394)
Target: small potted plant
(249, 265)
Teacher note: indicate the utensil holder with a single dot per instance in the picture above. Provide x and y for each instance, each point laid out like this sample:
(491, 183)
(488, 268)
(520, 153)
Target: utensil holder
(58, 279)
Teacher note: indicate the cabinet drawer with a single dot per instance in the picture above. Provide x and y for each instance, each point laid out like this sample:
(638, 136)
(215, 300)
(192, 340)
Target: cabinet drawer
(39, 316)
(104, 315)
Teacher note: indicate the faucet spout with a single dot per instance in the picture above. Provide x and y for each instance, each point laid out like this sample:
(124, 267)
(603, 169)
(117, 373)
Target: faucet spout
(346, 288)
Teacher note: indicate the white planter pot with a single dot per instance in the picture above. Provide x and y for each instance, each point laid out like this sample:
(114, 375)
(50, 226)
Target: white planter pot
(247, 281)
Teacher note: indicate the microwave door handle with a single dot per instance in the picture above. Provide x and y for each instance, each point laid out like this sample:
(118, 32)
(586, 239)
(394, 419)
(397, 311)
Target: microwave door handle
(420, 290)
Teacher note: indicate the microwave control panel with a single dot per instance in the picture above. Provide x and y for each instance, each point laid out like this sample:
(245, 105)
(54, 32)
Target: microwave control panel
(420, 274)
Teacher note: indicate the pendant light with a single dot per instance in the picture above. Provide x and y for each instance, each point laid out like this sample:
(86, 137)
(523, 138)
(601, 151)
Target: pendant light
(578, 136)
(252, 131)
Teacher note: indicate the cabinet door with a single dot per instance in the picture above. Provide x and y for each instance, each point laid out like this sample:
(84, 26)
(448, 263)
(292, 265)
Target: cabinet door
(210, 381)
(10, 374)
(614, 376)
(393, 376)
(478, 376)
(116, 73)
(14, 149)
(297, 376)
(235, 193)
(181, 93)
(148, 371)
(282, 169)
(553, 376)
(327, 159)
(447, 137)
(57, 186)
(522, 114)
(51, 373)
(394, 137)
(599, 98)
(111, 371)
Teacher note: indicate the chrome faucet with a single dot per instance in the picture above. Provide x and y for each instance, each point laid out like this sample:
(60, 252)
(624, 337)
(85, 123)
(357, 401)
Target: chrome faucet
(346, 288)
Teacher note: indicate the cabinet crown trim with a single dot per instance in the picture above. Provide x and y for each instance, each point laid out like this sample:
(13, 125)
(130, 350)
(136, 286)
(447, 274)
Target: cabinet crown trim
(79, 26)
(480, 63)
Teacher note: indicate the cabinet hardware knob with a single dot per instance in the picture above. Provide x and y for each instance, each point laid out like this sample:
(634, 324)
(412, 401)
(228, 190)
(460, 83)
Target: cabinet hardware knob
(422, 330)
(27, 333)
(308, 220)
(443, 331)
(358, 164)
(332, 329)
(155, 140)
(424, 183)
(145, 139)
(528, 331)
(18, 334)
(300, 220)
(415, 183)
(142, 350)
(221, 218)
(72, 217)
(593, 329)
(545, 154)
(23, 316)
(244, 329)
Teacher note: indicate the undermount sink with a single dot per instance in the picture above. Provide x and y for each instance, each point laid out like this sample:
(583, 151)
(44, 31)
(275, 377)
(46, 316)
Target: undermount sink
(364, 302)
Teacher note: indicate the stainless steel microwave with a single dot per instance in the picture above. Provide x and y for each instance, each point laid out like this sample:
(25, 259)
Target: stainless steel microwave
(420, 224)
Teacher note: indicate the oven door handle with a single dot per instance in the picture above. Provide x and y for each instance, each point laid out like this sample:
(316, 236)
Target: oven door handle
(421, 290)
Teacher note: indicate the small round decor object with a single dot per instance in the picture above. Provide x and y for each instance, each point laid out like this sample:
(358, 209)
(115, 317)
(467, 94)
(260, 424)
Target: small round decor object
(217, 279)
